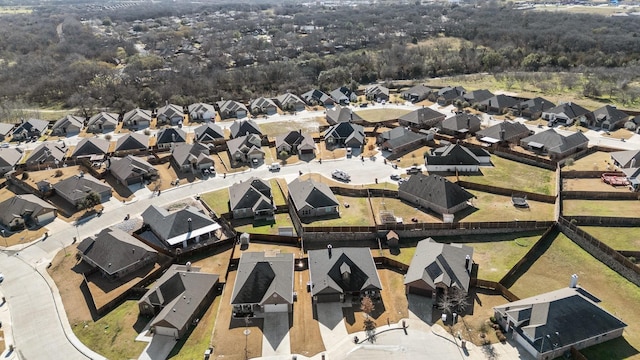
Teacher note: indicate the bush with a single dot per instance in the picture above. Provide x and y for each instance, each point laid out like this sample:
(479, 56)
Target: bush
(147, 132)
(108, 136)
(58, 173)
(25, 175)
(493, 320)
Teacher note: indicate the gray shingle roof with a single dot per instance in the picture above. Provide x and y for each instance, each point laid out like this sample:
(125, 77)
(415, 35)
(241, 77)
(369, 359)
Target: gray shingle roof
(244, 127)
(421, 115)
(230, 106)
(187, 153)
(572, 110)
(326, 271)
(536, 104)
(436, 190)
(130, 166)
(625, 158)
(202, 111)
(244, 144)
(461, 122)
(5, 128)
(511, 130)
(311, 193)
(376, 90)
(10, 156)
(261, 104)
(341, 114)
(91, 146)
(137, 115)
(169, 135)
(46, 152)
(261, 278)
(113, 250)
(500, 101)
(289, 100)
(171, 112)
(418, 90)
(168, 225)
(436, 263)
(209, 132)
(609, 113)
(400, 136)
(296, 138)
(315, 95)
(19, 205)
(105, 118)
(346, 131)
(132, 141)
(477, 96)
(555, 142)
(68, 120)
(250, 194)
(78, 187)
(455, 154)
(31, 126)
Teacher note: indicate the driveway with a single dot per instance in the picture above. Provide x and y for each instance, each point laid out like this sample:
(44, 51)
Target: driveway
(331, 322)
(159, 348)
(275, 333)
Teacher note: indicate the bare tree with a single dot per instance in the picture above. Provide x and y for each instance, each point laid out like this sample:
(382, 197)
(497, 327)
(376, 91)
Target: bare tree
(366, 305)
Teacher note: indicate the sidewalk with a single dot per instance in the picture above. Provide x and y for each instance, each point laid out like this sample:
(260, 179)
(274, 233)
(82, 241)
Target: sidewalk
(5, 320)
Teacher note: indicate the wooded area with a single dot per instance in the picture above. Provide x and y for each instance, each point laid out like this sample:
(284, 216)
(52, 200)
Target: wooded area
(91, 56)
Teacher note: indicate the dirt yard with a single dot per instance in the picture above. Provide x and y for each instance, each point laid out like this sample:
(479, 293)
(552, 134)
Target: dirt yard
(402, 210)
(305, 333)
(590, 185)
(471, 327)
(598, 161)
(22, 237)
(66, 271)
(50, 175)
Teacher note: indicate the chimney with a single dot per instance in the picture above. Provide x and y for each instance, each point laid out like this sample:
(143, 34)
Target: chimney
(574, 281)
(189, 222)
(329, 247)
(468, 122)
(468, 263)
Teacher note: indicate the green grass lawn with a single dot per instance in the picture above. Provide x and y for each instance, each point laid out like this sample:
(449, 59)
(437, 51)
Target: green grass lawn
(113, 335)
(615, 208)
(266, 227)
(217, 200)
(491, 207)
(514, 175)
(194, 346)
(618, 238)
(278, 197)
(379, 115)
(553, 270)
(358, 213)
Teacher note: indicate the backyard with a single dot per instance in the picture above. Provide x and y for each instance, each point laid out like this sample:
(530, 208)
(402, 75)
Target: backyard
(401, 209)
(354, 211)
(270, 227)
(598, 161)
(380, 115)
(618, 238)
(614, 208)
(217, 200)
(552, 271)
(491, 207)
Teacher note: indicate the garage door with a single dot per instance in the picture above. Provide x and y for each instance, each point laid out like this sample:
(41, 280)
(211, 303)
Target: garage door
(276, 308)
(419, 291)
(46, 217)
(160, 330)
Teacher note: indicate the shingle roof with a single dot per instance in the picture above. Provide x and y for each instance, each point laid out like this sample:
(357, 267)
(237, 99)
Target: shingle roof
(341, 114)
(171, 112)
(132, 141)
(316, 95)
(536, 104)
(104, 118)
(569, 312)
(625, 158)
(113, 250)
(169, 135)
(511, 130)
(209, 132)
(341, 93)
(555, 142)
(137, 115)
(326, 271)
(244, 127)
(46, 152)
(376, 90)
(400, 136)
(460, 122)
(261, 104)
(19, 205)
(230, 106)
(418, 90)
(436, 190)
(418, 116)
(32, 125)
(10, 156)
(436, 263)
(500, 101)
(289, 100)
(572, 110)
(346, 131)
(130, 166)
(91, 146)
(455, 154)
(311, 193)
(202, 111)
(175, 227)
(78, 187)
(296, 138)
(261, 278)
(5, 128)
(609, 113)
(244, 144)
(187, 153)
(68, 120)
(250, 194)
(477, 96)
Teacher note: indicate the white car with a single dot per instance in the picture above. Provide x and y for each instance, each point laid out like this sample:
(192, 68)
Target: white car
(340, 175)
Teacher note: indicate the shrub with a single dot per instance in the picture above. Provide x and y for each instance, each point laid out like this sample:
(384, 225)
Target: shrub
(493, 320)
(147, 132)
(25, 175)
(58, 173)
(108, 136)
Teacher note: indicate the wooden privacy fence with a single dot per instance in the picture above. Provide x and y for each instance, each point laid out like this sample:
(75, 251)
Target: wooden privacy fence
(507, 192)
(434, 226)
(603, 221)
(492, 285)
(587, 174)
(599, 195)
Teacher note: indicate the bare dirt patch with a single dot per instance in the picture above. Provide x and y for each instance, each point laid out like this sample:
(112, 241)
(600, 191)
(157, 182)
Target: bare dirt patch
(305, 334)
(590, 185)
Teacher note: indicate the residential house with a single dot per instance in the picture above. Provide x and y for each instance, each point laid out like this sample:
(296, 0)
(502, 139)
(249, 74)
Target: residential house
(5, 130)
(401, 140)
(311, 198)
(416, 93)
(26, 210)
(555, 145)
(191, 157)
(170, 114)
(115, 253)
(29, 129)
(438, 268)
(47, 154)
(550, 324)
(377, 93)
(132, 143)
(184, 227)
(102, 122)
(295, 142)
(608, 118)
(460, 125)
(435, 193)
(498, 104)
(290, 102)
(262, 106)
(131, 170)
(343, 96)
(251, 198)
(245, 149)
(76, 188)
(136, 119)
(244, 127)
(477, 96)
(264, 284)
(92, 148)
(566, 113)
(504, 133)
(9, 157)
(457, 158)
(422, 118)
(178, 299)
(633, 124)
(447, 95)
(69, 125)
(231, 109)
(344, 134)
(341, 114)
(626, 159)
(633, 176)
(209, 133)
(532, 108)
(201, 112)
(167, 138)
(315, 97)
(343, 275)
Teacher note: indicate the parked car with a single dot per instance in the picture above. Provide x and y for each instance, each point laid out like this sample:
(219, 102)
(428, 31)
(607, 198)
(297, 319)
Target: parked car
(274, 167)
(395, 177)
(349, 152)
(413, 170)
(340, 175)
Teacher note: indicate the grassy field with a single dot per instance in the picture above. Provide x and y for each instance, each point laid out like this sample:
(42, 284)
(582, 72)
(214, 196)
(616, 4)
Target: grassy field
(199, 340)
(620, 208)
(401, 209)
(265, 227)
(552, 271)
(284, 127)
(527, 178)
(379, 115)
(357, 214)
(597, 161)
(491, 207)
(113, 335)
(217, 200)
(278, 196)
(618, 238)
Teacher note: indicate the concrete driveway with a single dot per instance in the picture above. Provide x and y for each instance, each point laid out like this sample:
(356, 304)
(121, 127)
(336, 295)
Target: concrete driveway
(275, 334)
(331, 322)
(159, 348)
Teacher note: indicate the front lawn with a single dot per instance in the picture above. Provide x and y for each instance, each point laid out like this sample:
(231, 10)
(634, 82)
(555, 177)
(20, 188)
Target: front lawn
(199, 340)
(217, 200)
